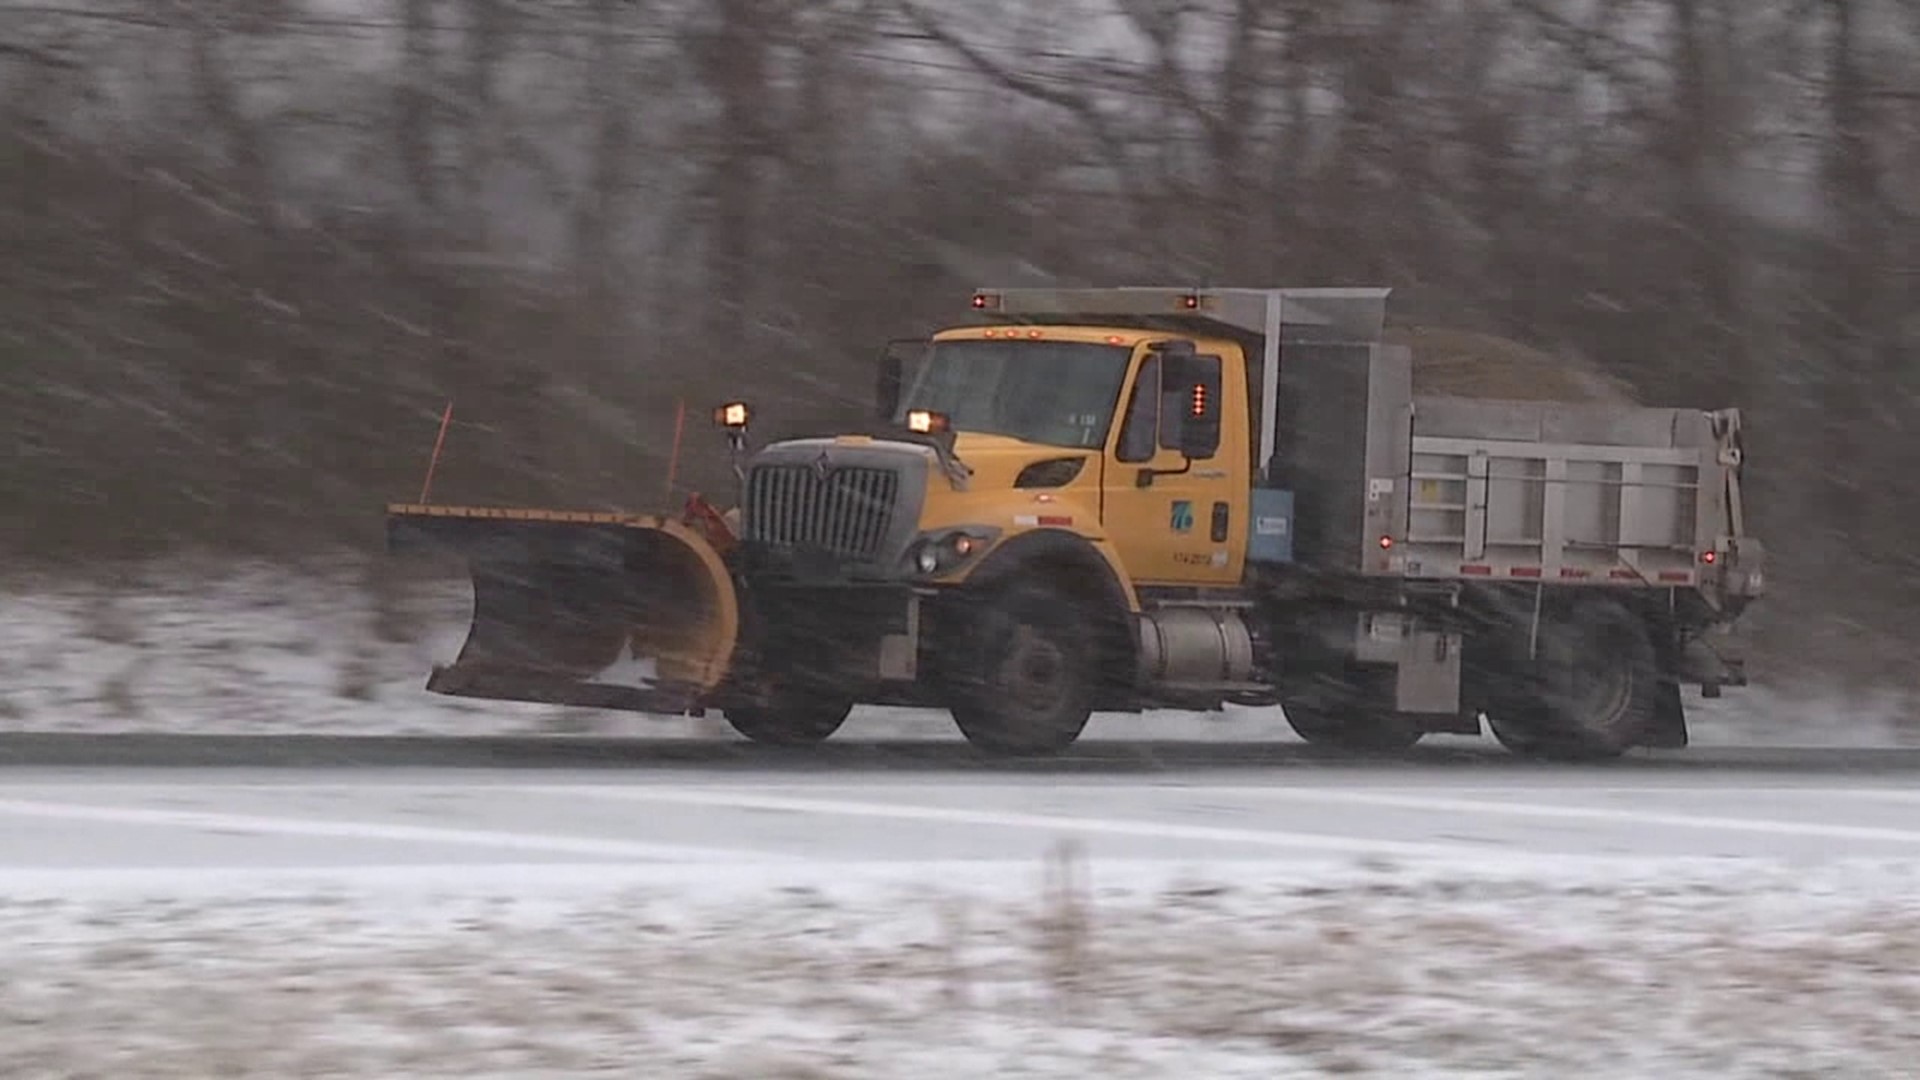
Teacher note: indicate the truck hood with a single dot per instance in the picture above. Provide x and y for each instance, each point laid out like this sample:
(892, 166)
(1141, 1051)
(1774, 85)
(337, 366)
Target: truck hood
(993, 462)
(997, 460)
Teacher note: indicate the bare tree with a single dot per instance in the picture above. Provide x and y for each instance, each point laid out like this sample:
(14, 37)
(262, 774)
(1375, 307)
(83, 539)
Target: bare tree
(251, 309)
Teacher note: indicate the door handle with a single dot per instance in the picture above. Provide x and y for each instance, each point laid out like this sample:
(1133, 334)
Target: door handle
(1222, 519)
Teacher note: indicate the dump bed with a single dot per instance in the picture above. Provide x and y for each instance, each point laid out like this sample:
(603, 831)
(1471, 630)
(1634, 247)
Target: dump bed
(1387, 483)
(1570, 493)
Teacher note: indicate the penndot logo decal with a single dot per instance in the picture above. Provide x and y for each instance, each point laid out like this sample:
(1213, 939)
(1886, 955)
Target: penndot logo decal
(1181, 517)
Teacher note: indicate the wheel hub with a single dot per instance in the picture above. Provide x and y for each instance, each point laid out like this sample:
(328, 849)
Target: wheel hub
(1034, 671)
(1597, 679)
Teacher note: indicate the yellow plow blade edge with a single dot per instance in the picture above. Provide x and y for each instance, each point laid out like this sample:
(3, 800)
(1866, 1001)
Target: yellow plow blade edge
(615, 611)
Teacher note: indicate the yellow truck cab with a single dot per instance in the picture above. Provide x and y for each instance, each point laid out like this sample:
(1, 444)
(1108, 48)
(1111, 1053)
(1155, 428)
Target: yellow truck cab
(1119, 499)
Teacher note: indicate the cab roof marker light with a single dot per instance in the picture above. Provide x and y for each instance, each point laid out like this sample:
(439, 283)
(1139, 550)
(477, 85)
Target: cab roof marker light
(928, 422)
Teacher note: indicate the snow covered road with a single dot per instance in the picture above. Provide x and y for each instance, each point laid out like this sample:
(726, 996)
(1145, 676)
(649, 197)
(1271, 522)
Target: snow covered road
(716, 920)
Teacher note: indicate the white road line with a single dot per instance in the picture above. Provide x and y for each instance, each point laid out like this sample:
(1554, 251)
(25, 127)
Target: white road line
(1099, 785)
(1882, 794)
(1502, 808)
(1014, 819)
(360, 830)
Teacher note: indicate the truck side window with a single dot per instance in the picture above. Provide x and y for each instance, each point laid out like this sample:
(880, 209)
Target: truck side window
(1140, 434)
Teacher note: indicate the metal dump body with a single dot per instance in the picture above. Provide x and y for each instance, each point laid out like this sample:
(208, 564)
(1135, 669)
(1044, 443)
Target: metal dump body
(1390, 484)
(1571, 494)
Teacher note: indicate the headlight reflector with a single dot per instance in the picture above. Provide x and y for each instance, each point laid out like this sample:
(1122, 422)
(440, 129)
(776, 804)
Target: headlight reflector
(944, 550)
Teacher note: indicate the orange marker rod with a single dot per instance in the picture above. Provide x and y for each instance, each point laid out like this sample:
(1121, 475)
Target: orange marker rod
(426, 486)
(679, 430)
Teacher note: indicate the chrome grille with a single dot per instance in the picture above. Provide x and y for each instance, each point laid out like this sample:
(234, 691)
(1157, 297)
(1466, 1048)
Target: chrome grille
(845, 510)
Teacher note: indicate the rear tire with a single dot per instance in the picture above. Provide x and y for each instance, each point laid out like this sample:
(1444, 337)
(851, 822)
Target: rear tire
(791, 719)
(1517, 741)
(1351, 729)
(1590, 694)
(1027, 673)
(1333, 712)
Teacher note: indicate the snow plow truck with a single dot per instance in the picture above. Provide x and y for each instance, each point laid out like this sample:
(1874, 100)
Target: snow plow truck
(1118, 499)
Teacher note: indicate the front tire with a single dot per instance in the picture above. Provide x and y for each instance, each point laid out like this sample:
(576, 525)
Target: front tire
(1027, 675)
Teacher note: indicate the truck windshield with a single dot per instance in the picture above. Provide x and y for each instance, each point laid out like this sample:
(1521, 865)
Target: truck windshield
(1058, 393)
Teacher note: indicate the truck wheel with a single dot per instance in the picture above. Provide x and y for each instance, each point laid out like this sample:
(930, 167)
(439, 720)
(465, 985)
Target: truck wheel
(1349, 728)
(1521, 741)
(791, 719)
(1336, 704)
(1025, 684)
(1592, 692)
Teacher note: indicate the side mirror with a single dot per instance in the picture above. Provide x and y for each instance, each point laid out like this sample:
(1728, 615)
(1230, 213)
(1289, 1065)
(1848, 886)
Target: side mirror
(893, 377)
(1191, 401)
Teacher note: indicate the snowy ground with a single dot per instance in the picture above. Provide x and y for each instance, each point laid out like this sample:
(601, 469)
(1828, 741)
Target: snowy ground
(720, 919)
(1261, 973)
(288, 924)
(221, 648)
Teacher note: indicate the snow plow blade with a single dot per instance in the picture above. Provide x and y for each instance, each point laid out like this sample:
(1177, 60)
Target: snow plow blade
(607, 611)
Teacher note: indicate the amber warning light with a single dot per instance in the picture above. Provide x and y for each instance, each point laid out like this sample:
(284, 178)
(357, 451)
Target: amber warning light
(927, 422)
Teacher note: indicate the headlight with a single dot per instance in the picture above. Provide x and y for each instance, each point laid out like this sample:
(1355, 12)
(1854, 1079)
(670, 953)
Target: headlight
(947, 550)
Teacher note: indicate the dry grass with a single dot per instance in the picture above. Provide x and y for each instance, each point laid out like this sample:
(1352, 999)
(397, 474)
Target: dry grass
(1458, 977)
(1065, 925)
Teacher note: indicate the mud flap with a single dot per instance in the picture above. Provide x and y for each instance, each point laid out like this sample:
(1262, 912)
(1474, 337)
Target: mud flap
(612, 611)
(1669, 728)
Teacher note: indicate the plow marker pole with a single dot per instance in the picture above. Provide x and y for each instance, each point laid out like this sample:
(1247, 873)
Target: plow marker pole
(426, 486)
(679, 430)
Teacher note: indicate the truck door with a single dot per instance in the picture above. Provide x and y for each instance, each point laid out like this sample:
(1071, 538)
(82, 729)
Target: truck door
(1174, 522)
